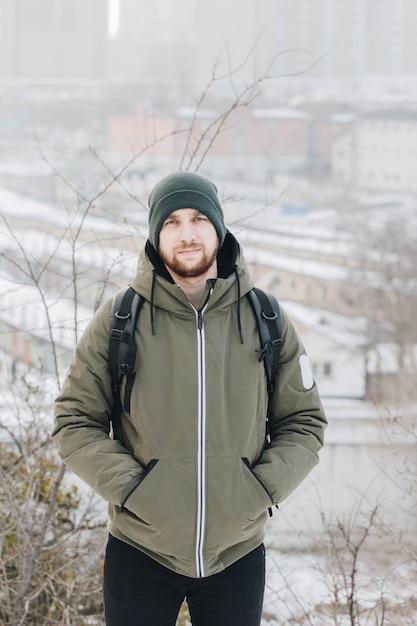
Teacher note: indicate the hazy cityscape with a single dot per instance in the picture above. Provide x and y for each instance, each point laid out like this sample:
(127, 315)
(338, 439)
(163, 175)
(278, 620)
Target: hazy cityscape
(304, 113)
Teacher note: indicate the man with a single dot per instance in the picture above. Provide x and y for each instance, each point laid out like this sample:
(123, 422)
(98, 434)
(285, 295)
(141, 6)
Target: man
(190, 483)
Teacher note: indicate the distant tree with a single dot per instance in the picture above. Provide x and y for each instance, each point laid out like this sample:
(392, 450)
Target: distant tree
(385, 257)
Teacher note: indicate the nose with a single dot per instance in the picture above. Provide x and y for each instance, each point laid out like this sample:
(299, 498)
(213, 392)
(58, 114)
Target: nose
(186, 231)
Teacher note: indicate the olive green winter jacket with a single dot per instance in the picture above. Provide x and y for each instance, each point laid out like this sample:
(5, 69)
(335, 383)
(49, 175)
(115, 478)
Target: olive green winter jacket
(191, 481)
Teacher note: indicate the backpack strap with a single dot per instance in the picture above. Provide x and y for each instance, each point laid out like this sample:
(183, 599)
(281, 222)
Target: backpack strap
(122, 347)
(122, 350)
(268, 315)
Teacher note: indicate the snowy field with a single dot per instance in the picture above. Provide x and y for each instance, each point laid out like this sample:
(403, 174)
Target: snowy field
(302, 589)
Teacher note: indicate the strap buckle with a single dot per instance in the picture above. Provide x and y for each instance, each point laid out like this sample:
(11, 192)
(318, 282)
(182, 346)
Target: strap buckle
(269, 348)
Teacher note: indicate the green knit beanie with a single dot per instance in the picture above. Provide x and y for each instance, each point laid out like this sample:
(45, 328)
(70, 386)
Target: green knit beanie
(184, 190)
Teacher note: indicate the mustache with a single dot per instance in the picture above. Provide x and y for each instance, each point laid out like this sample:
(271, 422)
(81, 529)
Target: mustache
(188, 246)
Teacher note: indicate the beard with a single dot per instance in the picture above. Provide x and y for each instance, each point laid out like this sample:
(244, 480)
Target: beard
(186, 270)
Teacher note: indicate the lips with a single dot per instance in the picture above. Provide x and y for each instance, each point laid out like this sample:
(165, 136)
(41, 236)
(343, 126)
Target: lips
(186, 251)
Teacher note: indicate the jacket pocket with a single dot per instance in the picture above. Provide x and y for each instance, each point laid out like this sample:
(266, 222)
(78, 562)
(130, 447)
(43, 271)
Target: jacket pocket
(246, 462)
(164, 499)
(149, 467)
(237, 503)
(159, 514)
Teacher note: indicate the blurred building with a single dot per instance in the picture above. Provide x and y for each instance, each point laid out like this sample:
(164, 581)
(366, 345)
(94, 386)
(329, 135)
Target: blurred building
(245, 143)
(154, 42)
(378, 152)
(358, 37)
(53, 40)
(355, 44)
(177, 46)
(352, 44)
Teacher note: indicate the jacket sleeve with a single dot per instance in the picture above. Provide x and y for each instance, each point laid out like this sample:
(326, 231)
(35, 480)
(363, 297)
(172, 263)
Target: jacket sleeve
(296, 420)
(82, 418)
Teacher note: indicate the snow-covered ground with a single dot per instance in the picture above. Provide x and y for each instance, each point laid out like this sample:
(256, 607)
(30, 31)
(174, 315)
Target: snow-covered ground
(306, 589)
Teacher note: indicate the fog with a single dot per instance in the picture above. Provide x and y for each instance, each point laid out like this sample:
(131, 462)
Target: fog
(304, 114)
(69, 72)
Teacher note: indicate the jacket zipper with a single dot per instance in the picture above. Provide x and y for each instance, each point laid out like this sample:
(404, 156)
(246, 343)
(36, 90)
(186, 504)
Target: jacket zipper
(201, 448)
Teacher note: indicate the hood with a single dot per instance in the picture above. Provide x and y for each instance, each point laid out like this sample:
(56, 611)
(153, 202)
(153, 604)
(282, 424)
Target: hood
(155, 284)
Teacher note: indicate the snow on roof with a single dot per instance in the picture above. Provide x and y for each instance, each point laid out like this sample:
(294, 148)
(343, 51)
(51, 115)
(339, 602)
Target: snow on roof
(282, 113)
(121, 261)
(32, 168)
(345, 331)
(31, 310)
(390, 114)
(343, 118)
(309, 267)
(351, 333)
(17, 205)
(303, 239)
(190, 112)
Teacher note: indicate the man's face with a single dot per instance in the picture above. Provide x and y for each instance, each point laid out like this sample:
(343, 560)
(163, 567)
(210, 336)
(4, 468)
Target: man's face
(188, 243)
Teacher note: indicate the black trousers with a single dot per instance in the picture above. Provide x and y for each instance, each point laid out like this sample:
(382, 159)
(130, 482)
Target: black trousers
(138, 591)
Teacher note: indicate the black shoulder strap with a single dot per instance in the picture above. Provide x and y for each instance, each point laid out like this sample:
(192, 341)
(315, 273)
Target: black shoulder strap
(268, 315)
(122, 349)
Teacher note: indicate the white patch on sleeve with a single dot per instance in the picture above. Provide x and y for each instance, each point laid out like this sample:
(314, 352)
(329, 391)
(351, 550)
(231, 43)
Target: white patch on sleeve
(306, 373)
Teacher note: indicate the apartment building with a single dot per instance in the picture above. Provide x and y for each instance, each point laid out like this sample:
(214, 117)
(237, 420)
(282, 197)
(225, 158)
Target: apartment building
(251, 143)
(153, 44)
(354, 45)
(53, 40)
(379, 152)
